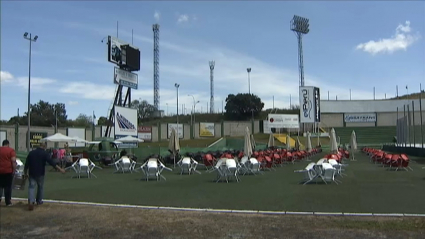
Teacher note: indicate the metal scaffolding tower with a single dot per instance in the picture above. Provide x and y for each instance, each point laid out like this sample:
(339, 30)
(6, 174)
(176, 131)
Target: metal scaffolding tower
(155, 28)
(300, 26)
(212, 64)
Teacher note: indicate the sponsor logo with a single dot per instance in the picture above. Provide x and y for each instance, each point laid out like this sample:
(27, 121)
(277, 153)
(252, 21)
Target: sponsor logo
(124, 124)
(360, 118)
(307, 104)
(317, 104)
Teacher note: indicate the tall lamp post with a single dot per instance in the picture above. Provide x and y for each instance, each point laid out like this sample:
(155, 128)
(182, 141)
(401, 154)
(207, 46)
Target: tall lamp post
(193, 114)
(177, 89)
(249, 79)
(31, 39)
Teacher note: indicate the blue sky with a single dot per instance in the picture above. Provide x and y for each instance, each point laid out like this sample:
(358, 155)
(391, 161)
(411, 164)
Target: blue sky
(351, 45)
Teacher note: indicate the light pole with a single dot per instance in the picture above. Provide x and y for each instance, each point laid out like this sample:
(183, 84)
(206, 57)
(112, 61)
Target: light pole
(177, 89)
(167, 108)
(31, 39)
(193, 114)
(249, 79)
(300, 26)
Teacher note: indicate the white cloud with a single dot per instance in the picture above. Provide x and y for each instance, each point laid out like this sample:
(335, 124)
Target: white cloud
(36, 82)
(402, 39)
(5, 76)
(72, 102)
(157, 15)
(182, 18)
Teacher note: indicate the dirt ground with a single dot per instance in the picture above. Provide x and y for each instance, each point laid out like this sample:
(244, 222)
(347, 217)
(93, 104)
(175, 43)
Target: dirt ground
(74, 221)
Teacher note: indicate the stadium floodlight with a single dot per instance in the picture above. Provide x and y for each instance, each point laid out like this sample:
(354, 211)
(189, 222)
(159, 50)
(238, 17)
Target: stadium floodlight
(300, 26)
(30, 39)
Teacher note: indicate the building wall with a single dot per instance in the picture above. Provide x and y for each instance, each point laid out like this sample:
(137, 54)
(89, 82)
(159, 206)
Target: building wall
(366, 106)
(332, 111)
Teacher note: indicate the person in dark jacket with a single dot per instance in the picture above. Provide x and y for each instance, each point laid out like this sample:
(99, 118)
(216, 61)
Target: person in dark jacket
(35, 169)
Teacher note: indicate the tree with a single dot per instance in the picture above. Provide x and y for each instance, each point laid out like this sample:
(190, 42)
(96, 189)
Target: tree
(242, 106)
(43, 114)
(83, 121)
(103, 121)
(144, 109)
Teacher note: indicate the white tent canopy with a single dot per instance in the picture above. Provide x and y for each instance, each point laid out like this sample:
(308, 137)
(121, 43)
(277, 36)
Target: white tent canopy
(58, 137)
(130, 139)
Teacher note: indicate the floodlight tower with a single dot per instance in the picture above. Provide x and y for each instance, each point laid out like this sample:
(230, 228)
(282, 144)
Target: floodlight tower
(212, 64)
(300, 26)
(155, 28)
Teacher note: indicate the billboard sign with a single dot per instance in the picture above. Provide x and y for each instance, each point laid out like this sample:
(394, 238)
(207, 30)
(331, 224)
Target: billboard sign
(114, 51)
(125, 78)
(179, 130)
(35, 138)
(206, 129)
(309, 104)
(145, 133)
(283, 121)
(123, 54)
(125, 122)
(360, 118)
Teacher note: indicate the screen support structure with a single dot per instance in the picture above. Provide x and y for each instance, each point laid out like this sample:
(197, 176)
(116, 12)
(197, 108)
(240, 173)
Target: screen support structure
(118, 101)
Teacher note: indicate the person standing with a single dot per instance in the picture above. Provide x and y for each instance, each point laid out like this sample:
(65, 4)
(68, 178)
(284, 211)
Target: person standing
(35, 170)
(7, 171)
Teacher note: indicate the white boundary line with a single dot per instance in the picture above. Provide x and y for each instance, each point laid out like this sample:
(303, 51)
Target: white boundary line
(230, 211)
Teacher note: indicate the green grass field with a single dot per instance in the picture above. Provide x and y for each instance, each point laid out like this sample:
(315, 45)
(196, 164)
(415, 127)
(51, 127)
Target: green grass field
(366, 188)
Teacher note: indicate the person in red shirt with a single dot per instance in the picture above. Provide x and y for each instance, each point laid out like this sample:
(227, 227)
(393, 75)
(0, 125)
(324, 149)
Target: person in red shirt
(7, 171)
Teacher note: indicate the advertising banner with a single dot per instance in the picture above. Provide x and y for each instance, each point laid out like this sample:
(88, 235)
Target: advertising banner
(145, 133)
(316, 94)
(125, 78)
(283, 121)
(125, 122)
(309, 104)
(359, 118)
(179, 130)
(35, 138)
(206, 129)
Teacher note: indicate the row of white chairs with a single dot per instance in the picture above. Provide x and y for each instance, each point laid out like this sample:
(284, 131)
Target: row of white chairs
(230, 168)
(325, 169)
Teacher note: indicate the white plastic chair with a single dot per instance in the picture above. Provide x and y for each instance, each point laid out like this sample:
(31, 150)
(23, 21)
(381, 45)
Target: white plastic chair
(309, 173)
(84, 166)
(255, 166)
(188, 165)
(339, 167)
(231, 170)
(328, 173)
(153, 168)
(124, 164)
(244, 165)
(220, 167)
(19, 167)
